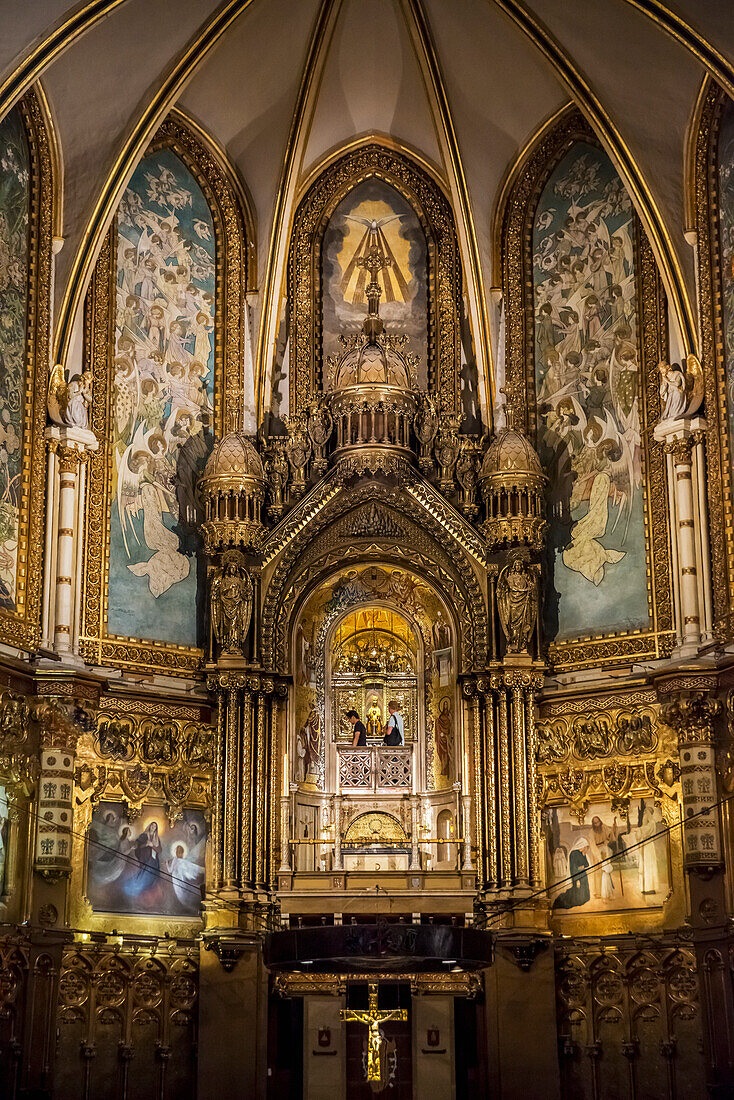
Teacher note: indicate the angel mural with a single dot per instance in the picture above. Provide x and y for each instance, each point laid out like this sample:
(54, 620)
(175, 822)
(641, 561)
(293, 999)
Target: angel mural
(14, 258)
(588, 385)
(145, 865)
(162, 398)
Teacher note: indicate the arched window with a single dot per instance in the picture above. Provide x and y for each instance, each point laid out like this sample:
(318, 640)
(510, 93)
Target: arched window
(585, 330)
(169, 289)
(26, 199)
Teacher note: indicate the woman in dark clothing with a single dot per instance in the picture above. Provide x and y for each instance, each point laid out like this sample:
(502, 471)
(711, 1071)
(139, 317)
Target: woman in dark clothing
(360, 733)
(578, 892)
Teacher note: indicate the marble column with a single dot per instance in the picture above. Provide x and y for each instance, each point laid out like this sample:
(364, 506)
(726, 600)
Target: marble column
(686, 479)
(66, 483)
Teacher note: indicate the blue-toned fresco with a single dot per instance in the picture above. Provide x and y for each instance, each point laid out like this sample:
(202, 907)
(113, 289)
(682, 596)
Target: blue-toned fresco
(146, 865)
(14, 253)
(163, 399)
(587, 374)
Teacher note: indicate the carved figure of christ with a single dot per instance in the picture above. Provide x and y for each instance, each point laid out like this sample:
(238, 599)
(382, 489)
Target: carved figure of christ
(373, 1017)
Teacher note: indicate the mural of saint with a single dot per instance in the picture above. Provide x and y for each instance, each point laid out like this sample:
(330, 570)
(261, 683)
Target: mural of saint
(308, 746)
(374, 216)
(14, 259)
(444, 736)
(163, 399)
(635, 874)
(587, 373)
(145, 866)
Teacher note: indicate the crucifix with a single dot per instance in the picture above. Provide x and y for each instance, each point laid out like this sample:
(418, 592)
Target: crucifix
(373, 1017)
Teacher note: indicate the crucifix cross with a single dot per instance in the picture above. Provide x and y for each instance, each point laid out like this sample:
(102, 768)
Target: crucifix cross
(373, 1017)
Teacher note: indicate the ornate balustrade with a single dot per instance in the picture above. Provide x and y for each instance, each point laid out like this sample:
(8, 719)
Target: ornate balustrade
(378, 768)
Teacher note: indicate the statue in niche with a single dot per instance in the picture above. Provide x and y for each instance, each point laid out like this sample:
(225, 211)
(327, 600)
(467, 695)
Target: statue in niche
(231, 604)
(517, 603)
(276, 474)
(441, 632)
(374, 718)
(425, 424)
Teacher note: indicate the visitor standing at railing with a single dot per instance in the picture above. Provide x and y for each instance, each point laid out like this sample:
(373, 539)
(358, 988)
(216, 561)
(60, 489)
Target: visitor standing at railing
(394, 727)
(360, 733)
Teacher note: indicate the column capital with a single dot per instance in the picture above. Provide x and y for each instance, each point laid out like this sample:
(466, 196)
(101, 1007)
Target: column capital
(686, 428)
(77, 439)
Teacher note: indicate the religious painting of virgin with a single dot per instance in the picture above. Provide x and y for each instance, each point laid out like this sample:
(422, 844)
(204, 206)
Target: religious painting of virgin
(146, 866)
(163, 399)
(587, 374)
(375, 225)
(607, 863)
(14, 259)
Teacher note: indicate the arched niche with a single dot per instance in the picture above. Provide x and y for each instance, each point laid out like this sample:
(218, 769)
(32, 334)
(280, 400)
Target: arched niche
(26, 231)
(712, 193)
(585, 329)
(417, 193)
(317, 699)
(165, 319)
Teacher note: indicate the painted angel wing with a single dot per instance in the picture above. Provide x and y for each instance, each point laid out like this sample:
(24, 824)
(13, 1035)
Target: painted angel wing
(128, 488)
(694, 384)
(57, 390)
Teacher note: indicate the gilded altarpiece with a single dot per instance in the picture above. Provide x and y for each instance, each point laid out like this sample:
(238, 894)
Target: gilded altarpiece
(713, 202)
(26, 231)
(143, 806)
(585, 330)
(164, 340)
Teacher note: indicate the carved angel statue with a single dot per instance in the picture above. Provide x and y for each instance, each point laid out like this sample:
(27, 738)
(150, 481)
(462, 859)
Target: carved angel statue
(69, 402)
(681, 388)
(231, 604)
(517, 603)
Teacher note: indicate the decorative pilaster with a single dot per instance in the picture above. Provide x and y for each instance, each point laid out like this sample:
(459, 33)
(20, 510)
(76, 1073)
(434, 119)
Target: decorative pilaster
(69, 449)
(686, 478)
(692, 709)
(467, 864)
(415, 860)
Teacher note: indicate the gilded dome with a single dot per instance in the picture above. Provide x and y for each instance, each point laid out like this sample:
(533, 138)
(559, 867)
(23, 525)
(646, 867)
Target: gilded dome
(511, 452)
(373, 363)
(234, 456)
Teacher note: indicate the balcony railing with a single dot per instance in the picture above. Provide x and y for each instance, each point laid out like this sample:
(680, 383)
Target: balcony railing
(382, 768)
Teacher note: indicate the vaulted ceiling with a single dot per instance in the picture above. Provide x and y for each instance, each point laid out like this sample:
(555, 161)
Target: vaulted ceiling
(280, 85)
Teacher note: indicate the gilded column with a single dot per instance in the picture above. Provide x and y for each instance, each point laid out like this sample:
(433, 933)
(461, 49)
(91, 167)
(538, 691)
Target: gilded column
(505, 786)
(515, 684)
(247, 792)
(338, 834)
(415, 862)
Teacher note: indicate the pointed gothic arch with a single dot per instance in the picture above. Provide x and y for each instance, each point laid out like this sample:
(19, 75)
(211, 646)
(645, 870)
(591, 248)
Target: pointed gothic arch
(522, 256)
(184, 225)
(26, 304)
(713, 114)
(433, 210)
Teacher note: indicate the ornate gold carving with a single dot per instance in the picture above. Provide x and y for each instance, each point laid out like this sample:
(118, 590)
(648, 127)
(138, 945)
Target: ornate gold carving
(713, 356)
(97, 646)
(21, 627)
